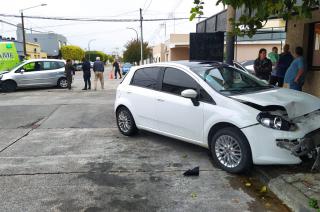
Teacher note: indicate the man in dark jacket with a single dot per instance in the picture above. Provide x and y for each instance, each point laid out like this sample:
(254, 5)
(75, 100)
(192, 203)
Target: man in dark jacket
(116, 67)
(69, 71)
(98, 68)
(86, 74)
(284, 62)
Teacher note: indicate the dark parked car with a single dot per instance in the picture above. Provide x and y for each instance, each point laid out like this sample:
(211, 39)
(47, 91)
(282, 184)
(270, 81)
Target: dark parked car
(78, 66)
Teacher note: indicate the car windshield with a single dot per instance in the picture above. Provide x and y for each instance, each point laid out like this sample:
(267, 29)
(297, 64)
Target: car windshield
(230, 81)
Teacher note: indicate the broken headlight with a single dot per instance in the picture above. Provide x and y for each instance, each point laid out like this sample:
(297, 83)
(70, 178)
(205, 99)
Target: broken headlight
(275, 122)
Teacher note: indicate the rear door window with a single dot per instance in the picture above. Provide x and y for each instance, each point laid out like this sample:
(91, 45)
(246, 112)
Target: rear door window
(147, 78)
(175, 81)
(47, 65)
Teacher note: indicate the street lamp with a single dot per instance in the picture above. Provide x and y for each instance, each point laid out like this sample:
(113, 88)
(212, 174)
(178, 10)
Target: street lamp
(141, 46)
(135, 31)
(22, 23)
(89, 46)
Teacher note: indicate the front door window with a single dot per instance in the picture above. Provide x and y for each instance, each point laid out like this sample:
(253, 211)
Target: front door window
(31, 67)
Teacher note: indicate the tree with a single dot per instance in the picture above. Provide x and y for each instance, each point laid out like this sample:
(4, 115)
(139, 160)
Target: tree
(72, 52)
(92, 55)
(110, 58)
(257, 12)
(132, 53)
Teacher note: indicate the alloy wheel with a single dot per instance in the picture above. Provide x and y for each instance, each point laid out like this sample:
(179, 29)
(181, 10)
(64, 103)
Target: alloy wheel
(228, 151)
(124, 121)
(63, 83)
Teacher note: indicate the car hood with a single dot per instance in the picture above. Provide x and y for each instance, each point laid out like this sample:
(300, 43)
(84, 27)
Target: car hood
(3, 72)
(296, 103)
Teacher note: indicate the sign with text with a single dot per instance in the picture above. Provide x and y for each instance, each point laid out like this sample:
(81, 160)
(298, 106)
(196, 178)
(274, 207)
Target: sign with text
(8, 56)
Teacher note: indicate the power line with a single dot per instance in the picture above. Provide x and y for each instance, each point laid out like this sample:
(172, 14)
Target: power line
(2, 21)
(96, 20)
(146, 8)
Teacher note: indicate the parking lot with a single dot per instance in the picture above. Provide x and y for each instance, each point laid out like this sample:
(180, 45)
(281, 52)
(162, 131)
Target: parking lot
(60, 150)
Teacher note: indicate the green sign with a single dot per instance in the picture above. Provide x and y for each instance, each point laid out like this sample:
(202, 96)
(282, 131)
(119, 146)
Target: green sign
(8, 56)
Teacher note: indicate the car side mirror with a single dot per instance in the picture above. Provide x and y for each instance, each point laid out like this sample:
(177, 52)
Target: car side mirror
(191, 94)
(22, 71)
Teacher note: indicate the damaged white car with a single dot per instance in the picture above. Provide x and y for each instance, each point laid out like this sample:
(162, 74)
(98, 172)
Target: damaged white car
(241, 119)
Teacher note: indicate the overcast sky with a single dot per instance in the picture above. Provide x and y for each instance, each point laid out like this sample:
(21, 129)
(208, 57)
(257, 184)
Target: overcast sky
(109, 36)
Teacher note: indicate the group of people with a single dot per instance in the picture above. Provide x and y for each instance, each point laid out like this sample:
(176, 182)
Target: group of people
(282, 68)
(98, 69)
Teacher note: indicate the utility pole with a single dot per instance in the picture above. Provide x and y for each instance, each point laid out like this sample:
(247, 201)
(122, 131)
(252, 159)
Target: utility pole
(164, 25)
(231, 14)
(141, 36)
(89, 48)
(22, 23)
(23, 36)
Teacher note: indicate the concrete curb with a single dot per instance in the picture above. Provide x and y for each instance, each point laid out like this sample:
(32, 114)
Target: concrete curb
(286, 192)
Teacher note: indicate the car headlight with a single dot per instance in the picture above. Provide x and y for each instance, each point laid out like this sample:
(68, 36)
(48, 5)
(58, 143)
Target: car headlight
(275, 122)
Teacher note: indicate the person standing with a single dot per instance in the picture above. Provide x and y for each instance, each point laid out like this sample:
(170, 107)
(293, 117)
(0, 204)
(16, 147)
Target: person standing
(86, 74)
(296, 72)
(285, 59)
(69, 71)
(262, 65)
(98, 68)
(116, 68)
(274, 57)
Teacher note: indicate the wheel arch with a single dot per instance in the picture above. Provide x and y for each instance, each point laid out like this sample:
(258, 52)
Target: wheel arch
(10, 80)
(121, 105)
(214, 129)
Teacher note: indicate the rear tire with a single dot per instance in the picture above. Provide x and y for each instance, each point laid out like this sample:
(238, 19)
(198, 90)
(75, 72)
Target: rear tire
(9, 86)
(231, 151)
(62, 83)
(125, 122)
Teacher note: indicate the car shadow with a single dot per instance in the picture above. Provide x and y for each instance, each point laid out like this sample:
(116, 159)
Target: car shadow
(49, 89)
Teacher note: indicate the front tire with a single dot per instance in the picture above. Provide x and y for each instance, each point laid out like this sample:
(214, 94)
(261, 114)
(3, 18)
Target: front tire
(9, 86)
(62, 83)
(231, 151)
(125, 122)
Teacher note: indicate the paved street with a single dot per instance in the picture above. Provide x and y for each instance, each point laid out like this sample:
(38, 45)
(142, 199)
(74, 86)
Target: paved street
(60, 150)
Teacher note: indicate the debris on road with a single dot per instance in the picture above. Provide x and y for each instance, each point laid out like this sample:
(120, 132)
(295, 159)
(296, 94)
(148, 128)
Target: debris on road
(263, 189)
(185, 156)
(194, 195)
(192, 172)
(248, 184)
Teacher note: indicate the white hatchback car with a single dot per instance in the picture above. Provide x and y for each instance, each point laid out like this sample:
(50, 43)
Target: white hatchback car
(241, 119)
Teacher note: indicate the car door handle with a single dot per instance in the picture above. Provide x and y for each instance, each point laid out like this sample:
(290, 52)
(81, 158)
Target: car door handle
(160, 100)
(129, 92)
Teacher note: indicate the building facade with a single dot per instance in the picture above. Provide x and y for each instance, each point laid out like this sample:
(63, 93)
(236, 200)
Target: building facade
(34, 51)
(174, 49)
(49, 42)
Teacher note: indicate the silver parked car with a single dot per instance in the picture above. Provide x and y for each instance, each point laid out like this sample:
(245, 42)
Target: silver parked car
(34, 73)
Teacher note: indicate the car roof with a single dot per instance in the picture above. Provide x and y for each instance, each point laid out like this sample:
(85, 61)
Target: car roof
(39, 60)
(191, 64)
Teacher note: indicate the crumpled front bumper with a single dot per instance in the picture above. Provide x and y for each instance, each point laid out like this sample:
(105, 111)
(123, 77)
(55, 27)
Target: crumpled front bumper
(308, 145)
(302, 146)
(270, 146)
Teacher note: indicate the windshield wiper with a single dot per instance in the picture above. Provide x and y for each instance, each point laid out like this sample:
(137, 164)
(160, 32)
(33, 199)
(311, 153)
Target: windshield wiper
(232, 89)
